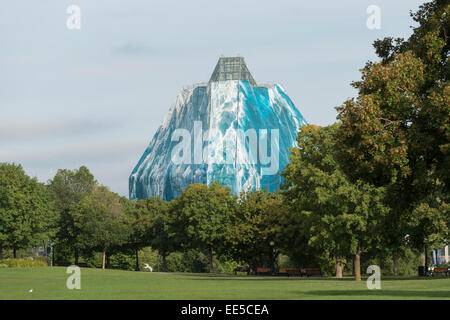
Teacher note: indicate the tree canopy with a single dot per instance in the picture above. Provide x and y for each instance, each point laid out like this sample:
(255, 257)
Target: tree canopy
(25, 215)
(396, 133)
(340, 217)
(202, 213)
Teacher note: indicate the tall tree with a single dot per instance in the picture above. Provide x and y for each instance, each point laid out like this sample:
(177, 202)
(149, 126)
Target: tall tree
(68, 188)
(396, 133)
(163, 233)
(254, 225)
(340, 217)
(25, 215)
(149, 223)
(202, 214)
(102, 222)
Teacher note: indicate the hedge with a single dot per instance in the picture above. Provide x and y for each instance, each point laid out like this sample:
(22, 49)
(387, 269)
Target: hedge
(23, 263)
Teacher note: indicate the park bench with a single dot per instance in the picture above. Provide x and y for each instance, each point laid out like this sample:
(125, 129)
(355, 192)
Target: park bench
(289, 272)
(293, 272)
(242, 269)
(66, 264)
(282, 271)
(263, 271)
(444, 271)
(311, 272)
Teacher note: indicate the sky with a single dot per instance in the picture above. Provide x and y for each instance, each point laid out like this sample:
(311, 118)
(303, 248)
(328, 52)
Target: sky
(95, 96)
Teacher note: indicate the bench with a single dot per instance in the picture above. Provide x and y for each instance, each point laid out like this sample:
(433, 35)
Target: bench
(67, 264)
(289, 272)
(311, 272)
(242, 269)
(444, 271)
(282, 271)
(263, 271)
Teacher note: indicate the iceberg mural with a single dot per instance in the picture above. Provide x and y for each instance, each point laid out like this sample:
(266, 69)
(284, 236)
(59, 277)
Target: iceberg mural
(229, 130)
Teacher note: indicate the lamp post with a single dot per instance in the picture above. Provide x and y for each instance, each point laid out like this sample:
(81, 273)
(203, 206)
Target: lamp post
(137, 259)
(272, 258)
(446, 249)
(52, 253)
(425, 241)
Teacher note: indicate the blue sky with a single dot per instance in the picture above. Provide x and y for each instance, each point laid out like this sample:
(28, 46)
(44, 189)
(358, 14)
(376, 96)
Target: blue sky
(96, 96)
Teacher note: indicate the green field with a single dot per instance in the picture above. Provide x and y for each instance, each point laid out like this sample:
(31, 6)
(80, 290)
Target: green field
(50, 283)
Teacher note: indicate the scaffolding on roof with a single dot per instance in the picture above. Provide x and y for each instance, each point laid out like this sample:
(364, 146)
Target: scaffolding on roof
(232, 68)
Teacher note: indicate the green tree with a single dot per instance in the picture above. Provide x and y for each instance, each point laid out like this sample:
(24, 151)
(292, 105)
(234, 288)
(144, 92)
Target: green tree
(396, 133)
(162, 230)
(254, 225)
(202, 214)
(340, 217)
(102, 222)
(67, 189)
(25, 215)
(150, 227)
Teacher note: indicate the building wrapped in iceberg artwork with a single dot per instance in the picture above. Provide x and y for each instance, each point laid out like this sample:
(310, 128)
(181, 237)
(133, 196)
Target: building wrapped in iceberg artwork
(230, 130)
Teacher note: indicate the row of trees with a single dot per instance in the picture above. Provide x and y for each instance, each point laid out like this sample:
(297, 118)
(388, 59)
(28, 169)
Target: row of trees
(318, 216)
(82, 217)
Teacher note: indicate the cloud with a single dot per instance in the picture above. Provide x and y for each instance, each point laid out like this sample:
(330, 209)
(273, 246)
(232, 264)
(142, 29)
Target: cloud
(111, 70)
(111, 161)
(134, 49)
(83, 152)
(23, 129)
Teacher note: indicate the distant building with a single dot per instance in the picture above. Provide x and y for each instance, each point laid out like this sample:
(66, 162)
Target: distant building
(237, 132)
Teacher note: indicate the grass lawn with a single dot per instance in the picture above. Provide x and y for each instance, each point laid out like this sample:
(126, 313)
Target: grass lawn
(50, 283)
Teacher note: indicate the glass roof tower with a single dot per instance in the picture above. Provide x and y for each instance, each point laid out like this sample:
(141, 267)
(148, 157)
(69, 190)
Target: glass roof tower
(232, 68)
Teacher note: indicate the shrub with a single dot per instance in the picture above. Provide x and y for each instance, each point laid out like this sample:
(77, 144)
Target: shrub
(224, 266)
(24, 263)
(122, 261)
(150, 256)
(193, 261)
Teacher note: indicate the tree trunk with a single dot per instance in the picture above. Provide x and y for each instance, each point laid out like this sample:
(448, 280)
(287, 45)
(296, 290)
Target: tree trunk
(358, 264)
(353, 266)
(253, 268)
(338, 267)
(164, 261)
(137, 259)
(76, 256)
(395, 260)
(1, 251)
(14, 253)
(211, 264)
(103, 259)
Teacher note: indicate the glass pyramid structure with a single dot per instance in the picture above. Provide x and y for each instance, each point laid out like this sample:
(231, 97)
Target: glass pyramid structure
(232, 68)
